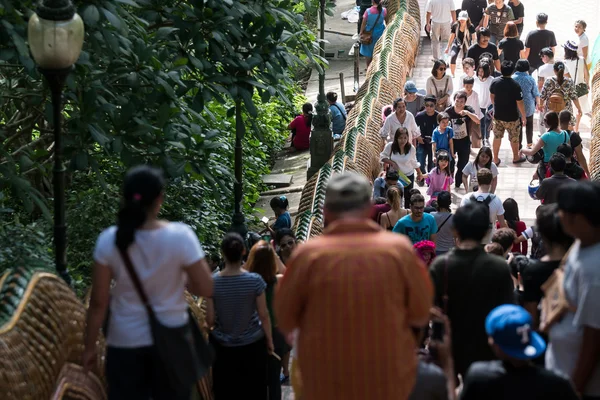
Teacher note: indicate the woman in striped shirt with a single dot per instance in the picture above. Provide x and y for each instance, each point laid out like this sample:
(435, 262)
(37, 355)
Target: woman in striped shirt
(242, 335)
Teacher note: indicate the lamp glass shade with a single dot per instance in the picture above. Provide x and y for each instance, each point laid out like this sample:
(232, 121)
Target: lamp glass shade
(55, 44)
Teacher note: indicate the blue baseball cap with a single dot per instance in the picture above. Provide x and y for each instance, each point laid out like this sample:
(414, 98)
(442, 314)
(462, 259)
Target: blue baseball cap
(410, 87)
(511, 328)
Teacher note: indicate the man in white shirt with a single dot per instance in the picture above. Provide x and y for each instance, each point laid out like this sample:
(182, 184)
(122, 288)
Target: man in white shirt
(493, 202)
(400, 119)
(547, 70)
(442, 14)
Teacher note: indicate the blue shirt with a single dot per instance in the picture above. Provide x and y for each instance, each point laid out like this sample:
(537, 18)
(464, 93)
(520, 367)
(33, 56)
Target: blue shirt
(283, 221)
(417, 231)
(380, 188)
(551, 142)
(338, 118)
(442, 140)
(236, 317)
(529, 89)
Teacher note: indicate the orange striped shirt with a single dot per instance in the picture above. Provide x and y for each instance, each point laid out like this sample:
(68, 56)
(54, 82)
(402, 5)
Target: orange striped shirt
(354, 293)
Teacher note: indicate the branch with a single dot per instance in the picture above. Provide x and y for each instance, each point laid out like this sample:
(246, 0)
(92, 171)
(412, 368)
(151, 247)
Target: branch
(30, 144)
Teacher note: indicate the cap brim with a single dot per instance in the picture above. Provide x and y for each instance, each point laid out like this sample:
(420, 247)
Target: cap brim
(534, 349)
(412, 90)
(462, 18)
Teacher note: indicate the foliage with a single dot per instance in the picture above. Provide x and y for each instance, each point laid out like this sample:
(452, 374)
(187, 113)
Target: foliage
(155, 83)
(23, 245)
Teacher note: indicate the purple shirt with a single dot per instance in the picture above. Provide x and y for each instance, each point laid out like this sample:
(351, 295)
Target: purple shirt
(436, 180)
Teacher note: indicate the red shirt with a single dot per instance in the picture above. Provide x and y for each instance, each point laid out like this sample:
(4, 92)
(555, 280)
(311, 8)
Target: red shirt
(518, 247)
(301, 140)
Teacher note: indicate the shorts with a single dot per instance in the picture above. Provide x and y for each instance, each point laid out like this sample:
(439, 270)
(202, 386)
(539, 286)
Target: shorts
(513, 128)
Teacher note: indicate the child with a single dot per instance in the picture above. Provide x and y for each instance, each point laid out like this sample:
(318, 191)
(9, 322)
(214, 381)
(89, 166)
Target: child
(564, 119)
(439, 178)
(442, 135)
(284, 220)
(511, 216)
(473, 101)
(468, 65)
(425, 250)
(572, 169)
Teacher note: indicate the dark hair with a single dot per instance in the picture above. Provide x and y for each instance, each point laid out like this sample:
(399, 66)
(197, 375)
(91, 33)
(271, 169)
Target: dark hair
(417, 198)
(379, 200)
(233, 247)
(488, 152)
(413, 191)
(443, 115)
(436, 65)
(565, 117)
(395, 146)
(507, 68)
(468, 80)
(279, 202)
(541, 18)
(484, 176)
(510, 30)
(546, 51)
(582, 23)
(307, 108)
(505, 237)
(511, 213)
(461, 94)
(565, 149)
(483, 32)
(486, 67)
(468, 61)
(331, 96)
(396, 102)
(581, 197)
(522, 65)
(387, 111)
(558, 162)
(548, 225)
(283, 232)
(559, 69)
(141, 187)
(430, 98)
(570, 54)
(494, 248)
(518, 264)
(392, 175)
(472, 221)
(443, 155)
(378, 2)
(551, 120)
(444, 200)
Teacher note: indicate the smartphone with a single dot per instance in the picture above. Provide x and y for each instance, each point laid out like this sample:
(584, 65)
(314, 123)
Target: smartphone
(437, 330)
(265, 220)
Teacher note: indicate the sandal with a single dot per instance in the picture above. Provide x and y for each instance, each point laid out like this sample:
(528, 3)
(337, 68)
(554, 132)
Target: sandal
(520, 160)
(498, 163)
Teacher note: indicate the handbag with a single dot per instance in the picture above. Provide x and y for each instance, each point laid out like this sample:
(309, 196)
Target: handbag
(367, 36)
(554, 303)
(581, 89)
(441, 107)
(183, 352)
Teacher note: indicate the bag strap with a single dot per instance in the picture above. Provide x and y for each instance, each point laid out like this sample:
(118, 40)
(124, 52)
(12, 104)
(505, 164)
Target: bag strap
(576, 70)
(376, 21)
(340, 110)
(136, 282)
(444, 223)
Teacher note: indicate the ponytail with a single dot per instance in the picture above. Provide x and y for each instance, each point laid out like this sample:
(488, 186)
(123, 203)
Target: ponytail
(379, 6)
(393, 197)
(142, 186)
(307, 109)
(559, 68)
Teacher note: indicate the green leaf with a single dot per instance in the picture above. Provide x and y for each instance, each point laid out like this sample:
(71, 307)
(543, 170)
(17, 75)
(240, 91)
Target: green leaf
(98, 135)
(164, 32)
(91, 15)
(247, 97)
(112, 18)
(128, 2)
(168, 88)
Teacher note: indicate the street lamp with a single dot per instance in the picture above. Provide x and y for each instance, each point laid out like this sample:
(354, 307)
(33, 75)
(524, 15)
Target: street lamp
(55, 36)
(321, 138)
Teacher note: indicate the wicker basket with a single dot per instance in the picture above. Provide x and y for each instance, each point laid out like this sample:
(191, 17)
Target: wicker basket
(73, 384)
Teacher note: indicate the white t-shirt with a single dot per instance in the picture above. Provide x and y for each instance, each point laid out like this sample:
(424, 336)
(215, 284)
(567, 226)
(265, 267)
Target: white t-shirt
(483, 91)
(473, 101)
(495, 206)
(407, 163)
(440, 10)
(471, 171)
(391, 125)
(547, 71)
(159, 257)
(584, 42)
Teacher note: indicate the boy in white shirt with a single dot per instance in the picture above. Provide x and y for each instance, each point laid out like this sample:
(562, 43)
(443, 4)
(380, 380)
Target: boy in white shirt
(473, 101)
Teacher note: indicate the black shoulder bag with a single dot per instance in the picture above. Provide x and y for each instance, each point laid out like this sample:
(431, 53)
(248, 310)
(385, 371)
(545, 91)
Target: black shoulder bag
(341, 112)
(184, 353)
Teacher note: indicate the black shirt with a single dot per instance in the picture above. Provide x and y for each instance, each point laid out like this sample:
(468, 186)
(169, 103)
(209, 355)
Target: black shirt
(497, 380)
(550, 187)
(506, 93)
(460, 35)
(536, 40)
(477, 282)
(475, 9)
(426, 124)
(534, 276)
(519, 12)
(476, 52)
(575, 139)
(511, 47)
(459, 122)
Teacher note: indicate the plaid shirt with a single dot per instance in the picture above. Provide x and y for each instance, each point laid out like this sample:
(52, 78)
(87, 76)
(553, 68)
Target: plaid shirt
(354, 294)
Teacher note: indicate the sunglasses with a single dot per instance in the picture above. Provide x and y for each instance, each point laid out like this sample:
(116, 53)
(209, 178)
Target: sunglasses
(441, 69)
(289, 243)
(429, 105)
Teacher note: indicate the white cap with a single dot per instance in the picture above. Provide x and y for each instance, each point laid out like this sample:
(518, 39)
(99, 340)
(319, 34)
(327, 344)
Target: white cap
(463, 15)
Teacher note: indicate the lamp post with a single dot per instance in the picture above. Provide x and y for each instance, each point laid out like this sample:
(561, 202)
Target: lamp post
(321, 139)
(238, 222)
(55, 36)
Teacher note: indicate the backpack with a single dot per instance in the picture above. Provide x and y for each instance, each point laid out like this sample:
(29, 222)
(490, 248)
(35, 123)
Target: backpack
(557, 102)
(486, 202)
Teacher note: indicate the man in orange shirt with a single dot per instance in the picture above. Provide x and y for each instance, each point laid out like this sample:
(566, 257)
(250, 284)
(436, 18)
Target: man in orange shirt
(354, 293)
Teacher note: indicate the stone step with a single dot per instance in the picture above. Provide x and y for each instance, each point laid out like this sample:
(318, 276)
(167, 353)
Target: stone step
(277, 180)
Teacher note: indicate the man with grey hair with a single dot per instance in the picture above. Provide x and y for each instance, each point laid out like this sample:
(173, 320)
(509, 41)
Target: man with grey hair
(354, 293)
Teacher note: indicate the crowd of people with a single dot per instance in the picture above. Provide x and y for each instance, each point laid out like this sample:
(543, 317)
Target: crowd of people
(405, 295)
